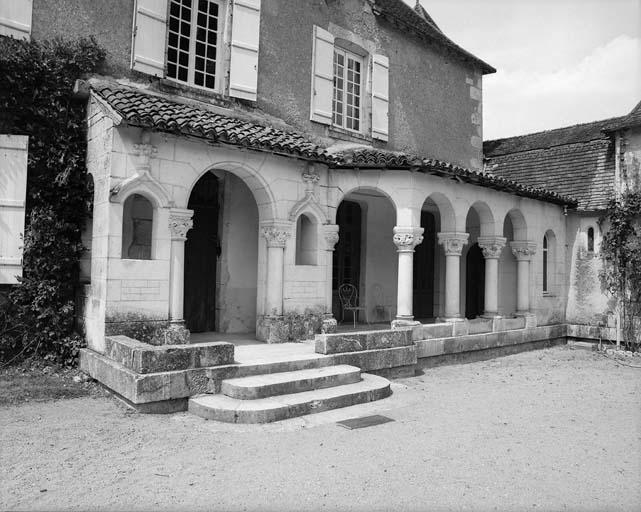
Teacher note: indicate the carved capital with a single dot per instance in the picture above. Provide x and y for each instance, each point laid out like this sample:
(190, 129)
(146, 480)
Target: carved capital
(523, 250)
(492, 246)
(276, 234)
(407, 238)
(453, 242)
(330, 233)
(180, 221)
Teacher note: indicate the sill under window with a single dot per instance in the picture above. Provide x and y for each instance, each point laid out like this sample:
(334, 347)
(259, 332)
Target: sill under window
(343, 134)
(549, 294)
(172, 87)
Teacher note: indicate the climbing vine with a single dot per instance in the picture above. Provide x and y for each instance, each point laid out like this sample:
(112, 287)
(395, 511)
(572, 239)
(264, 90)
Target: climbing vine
(36, 99)
(621, 255)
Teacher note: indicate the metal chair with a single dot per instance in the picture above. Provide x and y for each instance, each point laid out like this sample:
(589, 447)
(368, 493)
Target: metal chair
(348, 295)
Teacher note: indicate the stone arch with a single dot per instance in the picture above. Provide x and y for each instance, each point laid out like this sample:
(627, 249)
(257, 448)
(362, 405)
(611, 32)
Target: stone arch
(519, 226)
(446, 211)
(256, 183)
(144, 184)
(310, 207)
(549, 259)
(486, 218)
(364, 188)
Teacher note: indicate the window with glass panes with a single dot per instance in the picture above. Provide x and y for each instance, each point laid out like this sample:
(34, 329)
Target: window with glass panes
(348, 75)
(193, 42)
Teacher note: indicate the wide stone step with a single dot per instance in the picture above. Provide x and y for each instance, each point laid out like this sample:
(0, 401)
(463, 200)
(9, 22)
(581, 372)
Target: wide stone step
(265, 410)
(263, 386)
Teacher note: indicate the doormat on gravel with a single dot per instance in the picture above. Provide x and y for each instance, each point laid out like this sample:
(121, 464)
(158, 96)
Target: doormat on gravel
(365, 421)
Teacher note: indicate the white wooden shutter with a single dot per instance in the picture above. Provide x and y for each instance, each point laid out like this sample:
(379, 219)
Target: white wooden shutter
(13, 191)
(322, 76)
(149, 38)
(15, 18)
(380, 97)
(243, 66)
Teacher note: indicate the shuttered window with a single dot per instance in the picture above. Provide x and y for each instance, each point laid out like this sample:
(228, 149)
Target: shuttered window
(15, 18)
(322, 76)
(380, 97)
(193, 42)
(243, 67)
(150, 32)
(13, 190)
(347, 101)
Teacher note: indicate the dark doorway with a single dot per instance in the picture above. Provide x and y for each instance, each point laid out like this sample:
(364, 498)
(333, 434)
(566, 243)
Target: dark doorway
(347, 253)
(474, 282)
(201, 252)
(424, 269)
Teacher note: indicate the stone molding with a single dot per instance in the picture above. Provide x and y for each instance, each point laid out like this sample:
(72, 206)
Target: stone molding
(523, 250)
(180, 222)
(141, 183)
(276, 233)
(330, 234)
(492, 246)
(407, 238)
(453, 242)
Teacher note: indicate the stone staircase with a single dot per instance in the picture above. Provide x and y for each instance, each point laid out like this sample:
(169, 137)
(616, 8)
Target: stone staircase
(277, 396)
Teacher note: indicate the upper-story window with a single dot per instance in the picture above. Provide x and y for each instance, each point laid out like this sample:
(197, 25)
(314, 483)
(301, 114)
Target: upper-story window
(184, 41)
(193, 42)
(348, 83)
(340, 71)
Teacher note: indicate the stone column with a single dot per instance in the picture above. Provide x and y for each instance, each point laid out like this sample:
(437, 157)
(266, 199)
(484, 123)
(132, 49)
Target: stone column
(492, 246)
(523, 251)
(405, 239)
(180, 221)
(453, 244)
(276, 236)
(330, 235)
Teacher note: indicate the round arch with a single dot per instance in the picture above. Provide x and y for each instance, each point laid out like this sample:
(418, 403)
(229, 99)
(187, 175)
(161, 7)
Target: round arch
(519, 226)
(445, 209)
(486, 218)
(361, 188)
(256, 183)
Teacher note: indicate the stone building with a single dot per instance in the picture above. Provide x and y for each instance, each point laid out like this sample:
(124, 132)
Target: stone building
(249, 158)
(592, 162)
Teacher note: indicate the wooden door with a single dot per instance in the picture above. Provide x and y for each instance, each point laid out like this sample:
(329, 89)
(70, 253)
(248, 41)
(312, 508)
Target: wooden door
(474, 282)
(201, 253)
(347, 253)
(423, 304)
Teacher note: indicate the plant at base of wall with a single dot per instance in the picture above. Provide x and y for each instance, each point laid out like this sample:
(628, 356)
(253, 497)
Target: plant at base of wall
(621, 255)
(36, 99)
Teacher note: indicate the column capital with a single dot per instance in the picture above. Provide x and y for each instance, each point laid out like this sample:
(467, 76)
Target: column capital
(407, 237)
(276, 233)
(492, 246)
(180, 221)
(523, 250)
(330, 233)
(453, 242)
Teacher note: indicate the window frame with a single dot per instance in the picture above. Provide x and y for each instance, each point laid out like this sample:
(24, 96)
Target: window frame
(362, 60)
(546, 264)
(219, 77)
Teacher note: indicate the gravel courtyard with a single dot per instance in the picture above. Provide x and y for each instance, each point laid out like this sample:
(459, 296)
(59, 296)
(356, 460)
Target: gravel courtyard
(557, 429)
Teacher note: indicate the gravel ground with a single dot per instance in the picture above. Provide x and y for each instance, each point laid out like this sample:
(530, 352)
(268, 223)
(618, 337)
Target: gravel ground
(557, 429)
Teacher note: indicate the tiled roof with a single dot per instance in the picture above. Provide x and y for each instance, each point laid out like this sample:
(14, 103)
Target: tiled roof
(577, 161)
(140, 108)
(632, 119)
(143, 109)
(372, 158)
(399, 12)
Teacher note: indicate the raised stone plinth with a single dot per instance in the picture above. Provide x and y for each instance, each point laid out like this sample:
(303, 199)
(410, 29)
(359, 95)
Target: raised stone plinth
(144, 358)
(358, 341)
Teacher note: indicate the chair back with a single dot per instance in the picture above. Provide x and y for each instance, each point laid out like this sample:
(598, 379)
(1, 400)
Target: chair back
(348, 295)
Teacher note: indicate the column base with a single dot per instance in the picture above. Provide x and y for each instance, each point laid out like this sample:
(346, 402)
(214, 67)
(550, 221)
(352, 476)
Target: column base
(176, 333)
(403, 323)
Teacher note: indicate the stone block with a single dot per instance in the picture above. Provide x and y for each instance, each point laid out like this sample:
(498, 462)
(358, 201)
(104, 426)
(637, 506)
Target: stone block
(377, 359)
(144, 358)
(480, 325)
(358, 341)
(429, 348)
(430, 331)
(508, 324)
(460, 328)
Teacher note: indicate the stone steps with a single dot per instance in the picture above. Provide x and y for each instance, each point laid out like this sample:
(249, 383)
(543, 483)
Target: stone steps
(284, 402)
(263, 386)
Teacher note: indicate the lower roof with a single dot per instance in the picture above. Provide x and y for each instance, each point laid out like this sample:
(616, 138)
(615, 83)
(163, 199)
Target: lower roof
(146, 109)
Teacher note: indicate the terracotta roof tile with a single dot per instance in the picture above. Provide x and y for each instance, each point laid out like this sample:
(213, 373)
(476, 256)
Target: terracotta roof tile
(577, 161)
(632, 119)
(140, 108)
